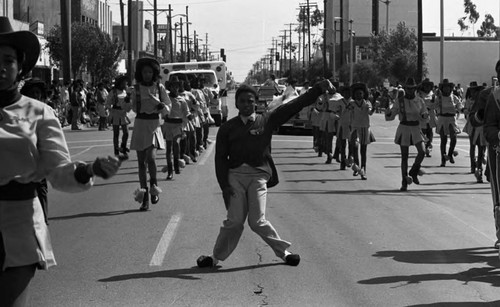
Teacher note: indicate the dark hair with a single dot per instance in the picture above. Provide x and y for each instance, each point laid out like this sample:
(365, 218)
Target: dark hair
(30, 84)
(138, 72)
(497, 64)
(245, 88)
(119, 80)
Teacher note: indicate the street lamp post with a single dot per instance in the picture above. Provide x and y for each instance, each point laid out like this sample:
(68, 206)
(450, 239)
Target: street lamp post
(169, 17)
(351, 52)
(334, 60)
(187, 34)
(386, 2)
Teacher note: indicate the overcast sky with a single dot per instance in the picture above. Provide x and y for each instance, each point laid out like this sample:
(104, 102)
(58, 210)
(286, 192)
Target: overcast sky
(245, 28)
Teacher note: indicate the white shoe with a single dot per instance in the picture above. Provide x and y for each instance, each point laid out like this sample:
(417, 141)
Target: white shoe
(155, 190)
(182, 163)
(139, 195)
(186, 159)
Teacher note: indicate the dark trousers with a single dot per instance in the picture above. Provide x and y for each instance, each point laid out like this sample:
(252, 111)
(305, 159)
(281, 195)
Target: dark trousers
(429, 134)
(116, 136)
(495, 189)
(14, 282)
(173, 150)
(42, 190)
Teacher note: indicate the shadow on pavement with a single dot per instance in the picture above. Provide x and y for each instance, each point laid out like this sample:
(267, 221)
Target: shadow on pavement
(458, 304)
(185, 273)
(481, 255)
(93, 214)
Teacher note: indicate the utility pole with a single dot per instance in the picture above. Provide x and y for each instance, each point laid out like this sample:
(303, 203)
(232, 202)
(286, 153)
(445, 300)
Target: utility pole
(308, 34)
(129, 47)
(351, 53)
(187, 35)
(324, 39)
(206, 46)
(375, 16)
(341, 37)
(386, 2)
(195, 42)
(122, 19)
(155, 29)
(182, 45)
(420, 60)
(169, 16)
(284, 47)
(441, 55)
(290, 50)
(66, 38)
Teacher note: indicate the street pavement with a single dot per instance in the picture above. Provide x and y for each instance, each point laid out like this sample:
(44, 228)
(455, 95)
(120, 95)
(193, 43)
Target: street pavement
(362, 243)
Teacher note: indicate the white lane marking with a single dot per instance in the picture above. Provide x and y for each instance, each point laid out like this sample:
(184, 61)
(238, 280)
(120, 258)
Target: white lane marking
(168, 234)
(83, 151)
(207, 153)
(89, 141)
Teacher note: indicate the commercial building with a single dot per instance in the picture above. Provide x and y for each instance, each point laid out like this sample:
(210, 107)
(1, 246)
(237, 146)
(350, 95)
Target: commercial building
(465, 58)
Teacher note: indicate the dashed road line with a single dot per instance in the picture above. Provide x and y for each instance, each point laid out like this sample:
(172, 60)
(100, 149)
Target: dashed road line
(166, 238)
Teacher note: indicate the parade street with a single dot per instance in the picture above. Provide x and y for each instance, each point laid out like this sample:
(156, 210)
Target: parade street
(362, 243)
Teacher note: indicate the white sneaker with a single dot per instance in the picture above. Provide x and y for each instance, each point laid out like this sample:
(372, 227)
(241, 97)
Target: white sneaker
(182, 163)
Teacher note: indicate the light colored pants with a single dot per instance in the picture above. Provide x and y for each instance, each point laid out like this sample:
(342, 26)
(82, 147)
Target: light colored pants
(250, 189)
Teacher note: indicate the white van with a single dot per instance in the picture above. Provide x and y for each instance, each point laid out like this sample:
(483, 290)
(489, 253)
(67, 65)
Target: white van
(214, 74)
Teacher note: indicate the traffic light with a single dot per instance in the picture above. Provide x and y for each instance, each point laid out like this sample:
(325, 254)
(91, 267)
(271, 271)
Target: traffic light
(222, 54)
(277, 56)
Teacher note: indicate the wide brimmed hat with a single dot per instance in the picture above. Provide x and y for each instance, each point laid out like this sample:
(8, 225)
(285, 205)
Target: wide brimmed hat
(23, 41)
(147, 62)
(446, 82)
(410, 83)
(427, 82)
(359, 86)
(473, 86)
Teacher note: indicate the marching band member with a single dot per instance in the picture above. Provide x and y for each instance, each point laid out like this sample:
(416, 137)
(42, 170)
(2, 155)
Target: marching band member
(475, 131)
(411, 110)
(361, 134)
(427, 125)
(149, 100)
(33, 148)
(489, 98)
(447, 106)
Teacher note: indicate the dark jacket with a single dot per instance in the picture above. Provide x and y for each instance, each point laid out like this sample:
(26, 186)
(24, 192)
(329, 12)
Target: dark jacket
(250, 143)
(491, 116)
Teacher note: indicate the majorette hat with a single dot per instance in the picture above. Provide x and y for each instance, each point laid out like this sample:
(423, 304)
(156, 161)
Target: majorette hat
(147, 62)
(23, 41)
(359, 86)
(410, 83)
(446, 82)
(473, 86)
(427, 82)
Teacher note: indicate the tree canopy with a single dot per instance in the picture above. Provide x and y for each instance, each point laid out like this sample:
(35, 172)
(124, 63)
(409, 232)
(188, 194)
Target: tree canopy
(395, 53)
(487, 28)
(91, 50)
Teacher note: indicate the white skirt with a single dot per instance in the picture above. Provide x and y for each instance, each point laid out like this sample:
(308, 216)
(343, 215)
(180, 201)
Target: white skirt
(25, 235)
